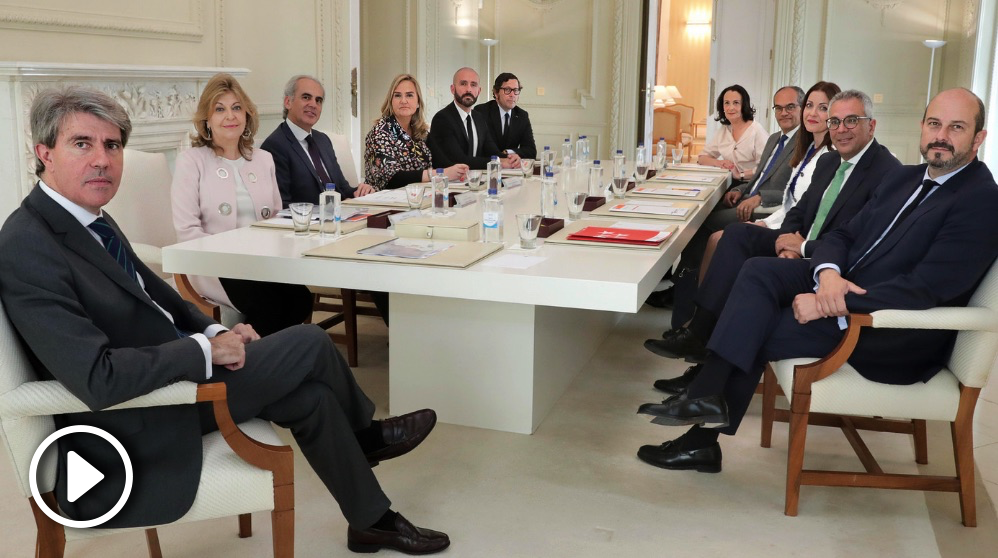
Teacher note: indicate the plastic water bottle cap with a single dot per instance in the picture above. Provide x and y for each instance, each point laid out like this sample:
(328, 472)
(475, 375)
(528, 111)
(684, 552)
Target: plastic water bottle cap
(549, 174)
(596, 162)
(620, 152)
(495, 158)
(547, 148)
(440, 171)
(330, 186)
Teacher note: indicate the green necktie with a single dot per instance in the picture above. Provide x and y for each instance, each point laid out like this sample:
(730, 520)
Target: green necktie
(828, 199)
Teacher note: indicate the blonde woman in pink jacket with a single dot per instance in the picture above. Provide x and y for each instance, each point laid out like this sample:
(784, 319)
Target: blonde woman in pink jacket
(223, 183)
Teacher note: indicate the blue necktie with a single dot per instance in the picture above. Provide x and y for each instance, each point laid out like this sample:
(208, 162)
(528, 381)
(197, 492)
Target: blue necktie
(114, 246)
(793, 183)
(769, 167)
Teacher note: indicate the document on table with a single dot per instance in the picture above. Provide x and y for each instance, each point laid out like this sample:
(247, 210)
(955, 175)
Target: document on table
(514, 261)
(649, 208)
(409, 248)
(678, 191)
(677, 177)
(385, 196)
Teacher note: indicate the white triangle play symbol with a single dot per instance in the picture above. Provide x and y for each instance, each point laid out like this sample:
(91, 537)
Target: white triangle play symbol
(81, 476)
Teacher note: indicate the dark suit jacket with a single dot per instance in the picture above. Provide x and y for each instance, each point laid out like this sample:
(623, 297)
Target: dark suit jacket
(519, 137)
(773, 184)
(448, 139)
(869, 171)
(296, 176)
(936, 257)
(87, 324)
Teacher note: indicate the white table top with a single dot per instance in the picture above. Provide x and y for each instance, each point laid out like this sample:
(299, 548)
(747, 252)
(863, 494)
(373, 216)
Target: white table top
(594, 278)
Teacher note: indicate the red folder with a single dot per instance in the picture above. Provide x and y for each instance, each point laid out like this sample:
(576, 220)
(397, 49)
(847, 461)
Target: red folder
(640, 237)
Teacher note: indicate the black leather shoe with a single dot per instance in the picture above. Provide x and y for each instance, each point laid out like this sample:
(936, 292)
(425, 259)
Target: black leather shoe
(402, 434)
(671, 455)
(672, 332)
(405, 538)
(680, 410)
(675, 386)
(681, 345)
(660, 299)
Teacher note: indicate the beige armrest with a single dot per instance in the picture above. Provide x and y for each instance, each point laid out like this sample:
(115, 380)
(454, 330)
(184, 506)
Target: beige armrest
(52, 398)
(956, 318)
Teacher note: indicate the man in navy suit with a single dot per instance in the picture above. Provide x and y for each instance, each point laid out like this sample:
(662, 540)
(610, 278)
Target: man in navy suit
(304, 158)
(926, 239)
(509, 124)
(844, 180)
(459, 135)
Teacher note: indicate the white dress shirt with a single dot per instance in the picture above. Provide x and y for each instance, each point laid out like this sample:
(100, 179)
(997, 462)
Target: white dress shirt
(465, 114)
(86, 218)
(803, 175)
(300, 135)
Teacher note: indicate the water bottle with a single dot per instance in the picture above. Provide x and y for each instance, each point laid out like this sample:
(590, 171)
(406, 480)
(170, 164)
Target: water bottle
(596, 187)
(492, 214)
(641, 162)
(581, 151)
(441, 193)
(493, 174)
(619, 179)
(547, 160)
(566, 153)
(661, 149)
(589, 148)
(329, 211)
(549, 194)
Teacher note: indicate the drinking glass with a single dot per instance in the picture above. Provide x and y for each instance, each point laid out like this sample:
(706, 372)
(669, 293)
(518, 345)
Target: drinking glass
(677, 155)
(414, 194)
(527, 225)
(527, 166)
(474, 180)
(301, 216)
(576, 201)
(641, 172)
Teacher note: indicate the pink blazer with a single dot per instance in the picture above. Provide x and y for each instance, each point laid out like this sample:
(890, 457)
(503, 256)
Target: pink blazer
(204, 200)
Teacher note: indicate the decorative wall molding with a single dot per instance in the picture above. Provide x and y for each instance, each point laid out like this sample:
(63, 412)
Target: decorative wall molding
(53, 20)
(797, 51)
(220, 32)
(160, 101)
(616, 71)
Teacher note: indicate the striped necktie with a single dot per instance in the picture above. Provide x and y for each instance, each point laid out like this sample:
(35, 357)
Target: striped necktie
(828, 200)
(114, 246)
(769, 167)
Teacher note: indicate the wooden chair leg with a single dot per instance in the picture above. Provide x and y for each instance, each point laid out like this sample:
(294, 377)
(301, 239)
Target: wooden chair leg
(152, 541)
(768, 406)
(921, 444)
(795, 454)
(350, 323)
(50, 542)
(963, 451)
(245, 526)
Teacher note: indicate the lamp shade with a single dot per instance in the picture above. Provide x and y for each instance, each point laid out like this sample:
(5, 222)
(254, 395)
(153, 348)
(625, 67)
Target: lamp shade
(660, 96)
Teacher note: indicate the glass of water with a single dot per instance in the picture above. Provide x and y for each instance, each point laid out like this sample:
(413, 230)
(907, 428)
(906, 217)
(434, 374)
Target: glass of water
(527, 166)
(301, 216)
(576, 202)
(677, 155)
(414, 194)
(474, 180)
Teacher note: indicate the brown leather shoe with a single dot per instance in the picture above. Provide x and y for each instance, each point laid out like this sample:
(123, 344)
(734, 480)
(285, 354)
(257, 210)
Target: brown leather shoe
(405, 538)
(402, 434)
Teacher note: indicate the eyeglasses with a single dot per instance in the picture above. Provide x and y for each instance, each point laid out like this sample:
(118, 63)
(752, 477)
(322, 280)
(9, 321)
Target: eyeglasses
(511, 90)
(786, 108)
(849, 121)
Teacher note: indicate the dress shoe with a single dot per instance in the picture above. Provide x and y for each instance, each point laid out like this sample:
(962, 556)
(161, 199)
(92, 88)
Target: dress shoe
(675, 386)
(680, 410)
(671, 455)
(683, 345)
(402, 434)
(669, 333)
(405, 538)
(660, 299)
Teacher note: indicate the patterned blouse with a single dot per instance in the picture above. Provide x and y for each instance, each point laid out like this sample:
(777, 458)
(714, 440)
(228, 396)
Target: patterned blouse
(392, 158)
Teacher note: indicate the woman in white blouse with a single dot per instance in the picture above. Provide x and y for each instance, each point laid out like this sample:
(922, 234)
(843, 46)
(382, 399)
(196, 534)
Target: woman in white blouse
(813, 142)
(223, 183)
(738, 145)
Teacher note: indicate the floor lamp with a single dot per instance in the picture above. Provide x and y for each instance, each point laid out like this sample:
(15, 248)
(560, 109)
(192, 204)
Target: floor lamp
(489, 43)
(932, 44)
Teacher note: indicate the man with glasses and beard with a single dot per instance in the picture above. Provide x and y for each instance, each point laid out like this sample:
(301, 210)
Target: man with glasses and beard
(459, 135)
(508, 123)
(925, 239)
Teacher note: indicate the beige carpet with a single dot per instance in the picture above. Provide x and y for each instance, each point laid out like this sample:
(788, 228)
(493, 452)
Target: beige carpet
(576, 489)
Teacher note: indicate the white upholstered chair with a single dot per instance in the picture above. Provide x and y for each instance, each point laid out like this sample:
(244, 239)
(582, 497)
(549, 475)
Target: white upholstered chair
(829, 392)
(239, 474)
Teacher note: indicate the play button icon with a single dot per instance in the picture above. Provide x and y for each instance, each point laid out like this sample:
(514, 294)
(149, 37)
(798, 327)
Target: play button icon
(81, 476)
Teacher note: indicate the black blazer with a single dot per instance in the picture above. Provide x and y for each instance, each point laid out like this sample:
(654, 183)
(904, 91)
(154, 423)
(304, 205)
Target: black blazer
(869, 171)
(296, 176)
(448, 139)
(86, 323)
(519, 137)
(936, 257)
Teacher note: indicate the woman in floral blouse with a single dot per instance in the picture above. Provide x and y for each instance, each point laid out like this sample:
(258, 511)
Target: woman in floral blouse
(396, 153)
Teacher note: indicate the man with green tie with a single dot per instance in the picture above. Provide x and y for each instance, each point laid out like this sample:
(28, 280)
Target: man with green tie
(844, 180)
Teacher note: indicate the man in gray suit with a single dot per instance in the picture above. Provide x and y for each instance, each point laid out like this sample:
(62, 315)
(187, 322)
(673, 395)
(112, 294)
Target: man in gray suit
(98, 320)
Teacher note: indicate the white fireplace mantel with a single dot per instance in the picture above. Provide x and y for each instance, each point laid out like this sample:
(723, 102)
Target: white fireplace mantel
(160, 100)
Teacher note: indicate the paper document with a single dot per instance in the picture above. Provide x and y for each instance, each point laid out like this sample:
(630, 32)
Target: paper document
(651, 209)
(409, 248)
(676, 177)
(679, 191)
(390, 196)
(640, 226)
(621, 235)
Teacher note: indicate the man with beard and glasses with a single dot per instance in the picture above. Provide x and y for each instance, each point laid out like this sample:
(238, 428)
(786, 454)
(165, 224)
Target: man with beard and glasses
(926, 239)
(459, 135)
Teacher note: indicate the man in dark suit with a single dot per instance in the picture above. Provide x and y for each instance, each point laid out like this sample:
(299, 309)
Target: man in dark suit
(98, 320)
(459, 135)
(304, 158)
(509, 125)
(926, 239)
(843, 182)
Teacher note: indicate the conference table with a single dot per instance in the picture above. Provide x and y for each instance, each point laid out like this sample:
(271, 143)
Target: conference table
(490, 346)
